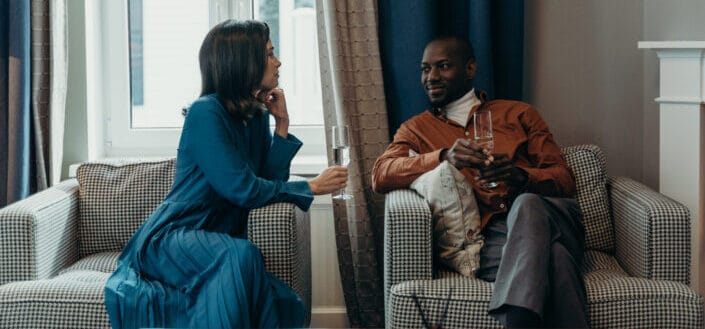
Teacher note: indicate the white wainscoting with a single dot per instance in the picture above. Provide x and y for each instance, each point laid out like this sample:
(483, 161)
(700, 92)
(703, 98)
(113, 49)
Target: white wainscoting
(328, 304)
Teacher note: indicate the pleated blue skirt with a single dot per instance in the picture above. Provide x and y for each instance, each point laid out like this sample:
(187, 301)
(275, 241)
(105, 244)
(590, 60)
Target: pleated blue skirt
(192, 278)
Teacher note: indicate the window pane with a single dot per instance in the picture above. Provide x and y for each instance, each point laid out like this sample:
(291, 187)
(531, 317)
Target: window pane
(293, 33)
(165, 36)
(303, 3)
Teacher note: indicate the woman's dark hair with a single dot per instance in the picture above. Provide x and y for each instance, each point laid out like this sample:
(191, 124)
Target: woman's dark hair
(233, 58)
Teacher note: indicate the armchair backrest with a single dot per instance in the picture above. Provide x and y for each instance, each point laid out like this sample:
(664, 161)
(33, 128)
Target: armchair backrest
(589, 168)
(115, 198)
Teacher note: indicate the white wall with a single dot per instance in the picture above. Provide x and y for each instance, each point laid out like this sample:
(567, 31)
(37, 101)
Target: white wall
(584, 74)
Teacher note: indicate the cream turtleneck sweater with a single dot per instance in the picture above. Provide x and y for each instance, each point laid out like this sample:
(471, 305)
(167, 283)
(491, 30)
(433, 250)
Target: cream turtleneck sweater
(459, 109)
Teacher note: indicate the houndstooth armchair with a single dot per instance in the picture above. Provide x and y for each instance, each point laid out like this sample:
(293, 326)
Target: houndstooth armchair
(636, 268)
(59, 246)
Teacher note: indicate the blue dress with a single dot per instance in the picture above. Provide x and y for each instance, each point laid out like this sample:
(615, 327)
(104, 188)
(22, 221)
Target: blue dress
(190, 264)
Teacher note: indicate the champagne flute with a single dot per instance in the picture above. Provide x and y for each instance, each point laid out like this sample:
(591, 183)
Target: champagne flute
(482, 122)
(341, 154)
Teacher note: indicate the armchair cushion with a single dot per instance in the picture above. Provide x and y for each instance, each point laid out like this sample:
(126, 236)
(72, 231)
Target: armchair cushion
(71, 300)
(588, 164)
(102, 262)
(115, 199)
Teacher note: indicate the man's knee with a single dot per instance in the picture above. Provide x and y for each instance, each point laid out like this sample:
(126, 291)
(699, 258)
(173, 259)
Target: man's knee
(528, 201)
(529, 209)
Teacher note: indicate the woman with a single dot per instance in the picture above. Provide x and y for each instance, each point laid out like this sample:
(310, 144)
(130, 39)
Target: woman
(190, 265)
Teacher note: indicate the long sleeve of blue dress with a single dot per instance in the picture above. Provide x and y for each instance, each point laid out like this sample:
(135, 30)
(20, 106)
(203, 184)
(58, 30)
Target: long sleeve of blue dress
(279, 148)
(213, 145)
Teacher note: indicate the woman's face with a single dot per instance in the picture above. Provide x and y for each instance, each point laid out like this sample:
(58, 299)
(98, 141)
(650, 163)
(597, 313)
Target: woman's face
(270, 80)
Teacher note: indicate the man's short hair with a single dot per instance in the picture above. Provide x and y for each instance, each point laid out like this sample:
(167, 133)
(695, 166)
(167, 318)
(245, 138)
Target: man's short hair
(462, 44)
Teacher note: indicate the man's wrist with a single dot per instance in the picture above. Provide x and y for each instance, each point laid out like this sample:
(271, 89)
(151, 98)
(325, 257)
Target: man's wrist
(524, 178)
(442, 155)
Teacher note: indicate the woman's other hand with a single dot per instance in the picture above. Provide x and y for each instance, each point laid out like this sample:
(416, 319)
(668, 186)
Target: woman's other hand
(331, 179)
(276, 103)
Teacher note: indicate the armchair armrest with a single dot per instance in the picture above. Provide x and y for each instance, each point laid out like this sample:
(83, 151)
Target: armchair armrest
(407, 239)
(282, 232)
(39, 234)
(652, 232)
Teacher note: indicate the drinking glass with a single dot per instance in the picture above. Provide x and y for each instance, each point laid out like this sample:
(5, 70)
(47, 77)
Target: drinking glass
(341, 154)
(482, 122)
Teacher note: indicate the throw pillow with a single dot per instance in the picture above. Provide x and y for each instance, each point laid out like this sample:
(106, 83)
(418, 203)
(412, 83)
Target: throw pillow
(116, 198)
(456, 232)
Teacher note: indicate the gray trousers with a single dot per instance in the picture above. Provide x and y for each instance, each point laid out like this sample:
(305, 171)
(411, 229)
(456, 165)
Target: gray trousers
(534, 255)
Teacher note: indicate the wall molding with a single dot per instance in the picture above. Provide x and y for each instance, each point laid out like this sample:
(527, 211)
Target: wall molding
(329, 317)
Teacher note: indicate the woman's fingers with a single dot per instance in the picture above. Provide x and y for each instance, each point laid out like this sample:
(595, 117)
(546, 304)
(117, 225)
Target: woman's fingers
(331, 179)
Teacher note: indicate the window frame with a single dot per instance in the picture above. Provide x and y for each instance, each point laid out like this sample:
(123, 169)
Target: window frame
(108, 91)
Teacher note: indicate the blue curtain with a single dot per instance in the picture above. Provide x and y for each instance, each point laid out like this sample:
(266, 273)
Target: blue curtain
(14, 100)
(495, 28)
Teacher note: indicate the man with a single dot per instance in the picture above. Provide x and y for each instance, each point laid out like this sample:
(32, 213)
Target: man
(532, 226)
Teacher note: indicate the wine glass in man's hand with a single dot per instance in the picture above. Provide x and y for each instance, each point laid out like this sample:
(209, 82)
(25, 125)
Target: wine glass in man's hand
(482, 122)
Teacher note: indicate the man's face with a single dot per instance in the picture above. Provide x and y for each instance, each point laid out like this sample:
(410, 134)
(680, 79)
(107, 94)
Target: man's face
(444, 73)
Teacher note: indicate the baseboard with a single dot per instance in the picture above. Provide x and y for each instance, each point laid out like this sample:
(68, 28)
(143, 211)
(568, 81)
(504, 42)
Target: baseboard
(329, 317)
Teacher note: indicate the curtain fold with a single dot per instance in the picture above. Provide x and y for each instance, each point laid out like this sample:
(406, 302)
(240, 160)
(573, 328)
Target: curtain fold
(353, 94)
(32, 95)
(58, 87)
(15, 101)
(495, 28)
(40, 92)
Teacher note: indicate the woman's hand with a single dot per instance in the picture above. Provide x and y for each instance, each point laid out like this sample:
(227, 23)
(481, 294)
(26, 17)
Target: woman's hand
(331, 179)
(276, 103)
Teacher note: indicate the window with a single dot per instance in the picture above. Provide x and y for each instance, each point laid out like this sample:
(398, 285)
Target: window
(149, 76)
(164, 75)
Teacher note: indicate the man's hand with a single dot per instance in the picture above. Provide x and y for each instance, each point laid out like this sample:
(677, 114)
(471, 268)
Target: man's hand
(466, 153)
(502, 169)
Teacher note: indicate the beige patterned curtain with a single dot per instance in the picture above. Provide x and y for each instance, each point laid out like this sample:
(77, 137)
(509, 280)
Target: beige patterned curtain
(353, 94)
(48, 93)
